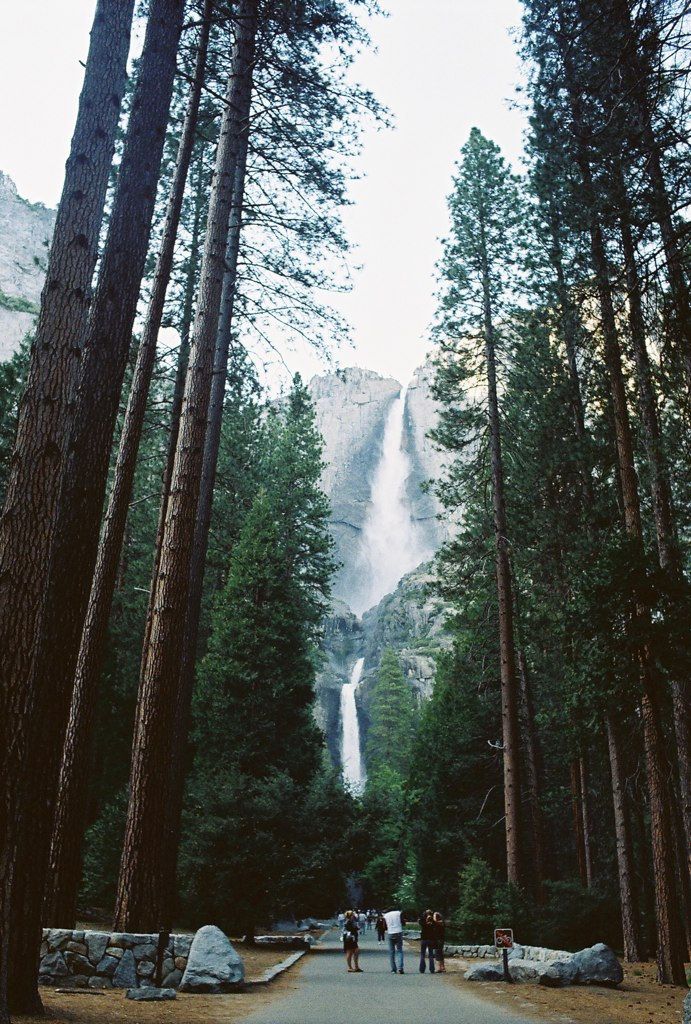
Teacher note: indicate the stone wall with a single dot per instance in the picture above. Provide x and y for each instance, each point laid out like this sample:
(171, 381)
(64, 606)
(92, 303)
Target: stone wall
(81, 959)
(479, 952)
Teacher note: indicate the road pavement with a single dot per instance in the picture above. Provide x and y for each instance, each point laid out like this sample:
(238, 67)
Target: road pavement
(324, 993)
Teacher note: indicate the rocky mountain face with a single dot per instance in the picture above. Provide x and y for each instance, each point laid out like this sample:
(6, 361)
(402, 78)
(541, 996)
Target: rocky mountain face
(25, 233)
(352, 408)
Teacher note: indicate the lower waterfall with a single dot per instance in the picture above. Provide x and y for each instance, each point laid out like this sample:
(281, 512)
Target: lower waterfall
(351, 756)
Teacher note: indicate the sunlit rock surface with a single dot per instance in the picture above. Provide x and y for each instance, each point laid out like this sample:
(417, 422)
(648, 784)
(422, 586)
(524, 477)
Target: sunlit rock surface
(25, 233)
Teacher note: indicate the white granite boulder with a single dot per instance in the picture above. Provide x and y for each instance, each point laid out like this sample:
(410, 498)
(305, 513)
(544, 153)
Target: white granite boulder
(598, 965)
(213, 964)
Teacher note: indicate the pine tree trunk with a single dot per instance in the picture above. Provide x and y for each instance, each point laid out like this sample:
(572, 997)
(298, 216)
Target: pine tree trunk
(670, 945)
(577, 815)
(669, 554)
(531, 749)
(636, 89)
(191, 283)
(587, 829)
(74, 551)
(176, 774)
(65, 858)
(507, 651)
(627, 888)
(141, 898)
(27, 526)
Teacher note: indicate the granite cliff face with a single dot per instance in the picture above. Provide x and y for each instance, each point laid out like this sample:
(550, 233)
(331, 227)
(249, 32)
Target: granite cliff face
(25, 233)
(352, 406)
(354, 410)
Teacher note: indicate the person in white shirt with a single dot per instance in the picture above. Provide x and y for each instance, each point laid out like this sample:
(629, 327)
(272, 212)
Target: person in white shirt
(394, 930)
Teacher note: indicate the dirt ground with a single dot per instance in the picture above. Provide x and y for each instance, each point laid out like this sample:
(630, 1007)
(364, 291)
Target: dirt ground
(111, 1007)
(638, 1000)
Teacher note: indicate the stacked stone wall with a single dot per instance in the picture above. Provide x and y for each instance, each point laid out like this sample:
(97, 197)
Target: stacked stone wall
(479, 952)
(89, 959)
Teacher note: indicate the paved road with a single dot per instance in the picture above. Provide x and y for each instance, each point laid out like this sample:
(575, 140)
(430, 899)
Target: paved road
(325, 993)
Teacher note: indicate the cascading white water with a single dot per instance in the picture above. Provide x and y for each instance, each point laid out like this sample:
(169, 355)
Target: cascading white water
(353, 768)
(391, 543)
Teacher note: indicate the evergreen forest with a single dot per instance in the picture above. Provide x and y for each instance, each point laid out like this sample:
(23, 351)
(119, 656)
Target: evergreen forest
(166, 561)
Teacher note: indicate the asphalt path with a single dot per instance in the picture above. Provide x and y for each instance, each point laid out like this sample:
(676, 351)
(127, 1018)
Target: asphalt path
(324, 993)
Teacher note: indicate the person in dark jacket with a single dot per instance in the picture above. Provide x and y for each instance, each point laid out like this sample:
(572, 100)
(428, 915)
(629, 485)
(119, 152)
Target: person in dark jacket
(439, 941)
(381, 928)
(350, 943)
(427, 941)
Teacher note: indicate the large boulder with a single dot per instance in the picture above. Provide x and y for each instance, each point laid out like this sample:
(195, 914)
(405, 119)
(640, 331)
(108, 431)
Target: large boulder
(598, 965)
(523, 970)
(213, 965)
(558, 973)
(485, 972)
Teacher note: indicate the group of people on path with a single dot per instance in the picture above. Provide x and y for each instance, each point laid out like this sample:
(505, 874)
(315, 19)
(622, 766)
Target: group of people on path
(389, 926)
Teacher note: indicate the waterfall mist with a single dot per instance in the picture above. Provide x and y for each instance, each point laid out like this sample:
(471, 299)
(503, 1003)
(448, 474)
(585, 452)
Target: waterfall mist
(392, 543)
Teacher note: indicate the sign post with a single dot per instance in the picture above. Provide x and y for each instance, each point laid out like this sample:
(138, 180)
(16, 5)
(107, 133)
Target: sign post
(503, 940)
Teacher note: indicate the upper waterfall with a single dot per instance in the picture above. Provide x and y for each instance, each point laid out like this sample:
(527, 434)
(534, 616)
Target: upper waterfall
(392, 542)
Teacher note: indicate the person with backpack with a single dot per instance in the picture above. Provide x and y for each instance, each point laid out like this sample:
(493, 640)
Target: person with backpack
(350, 943)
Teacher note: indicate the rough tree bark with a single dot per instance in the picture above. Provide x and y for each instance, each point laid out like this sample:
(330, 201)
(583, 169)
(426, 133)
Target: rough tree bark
(65, 856)
(577, 816)
(531, 750)
(106, 349)
(670, 953)
(587, 829)
(27, 526)
(141, 897)
(507, 648)
(669, 554)
(176, 775)
(627, 886)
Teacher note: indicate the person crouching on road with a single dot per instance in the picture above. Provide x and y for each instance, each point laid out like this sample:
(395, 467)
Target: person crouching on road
(350, 943)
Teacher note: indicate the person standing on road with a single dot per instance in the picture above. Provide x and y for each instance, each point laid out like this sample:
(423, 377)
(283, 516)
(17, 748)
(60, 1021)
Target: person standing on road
(381, 928)
(427, 941)
(394, 927)
(439, 941)
(350, 943)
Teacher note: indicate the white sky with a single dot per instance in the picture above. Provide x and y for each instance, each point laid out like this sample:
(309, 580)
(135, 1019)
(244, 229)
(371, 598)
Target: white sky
(442, 67)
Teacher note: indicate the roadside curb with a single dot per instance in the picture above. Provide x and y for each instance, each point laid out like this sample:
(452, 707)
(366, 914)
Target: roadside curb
(274, 972)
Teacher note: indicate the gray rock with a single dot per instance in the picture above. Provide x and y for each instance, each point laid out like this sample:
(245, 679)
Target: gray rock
(53, 965)
(150, 995)
(145, 968)
(523, 970)
(598, 966)
(485, 972)
(116, 951)
(173, 979)
(78, 964)
(126, 973)
(167, 966)
(145, 951)
(213, 964)
(126, 940)
(96, 982)
(76, 947)
(180, 962)
(96, 944)
(558, 973)
(518, 953)
(182, 944)
(687, 1009)
(80, 981)
(58, 938)
(107, 966)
